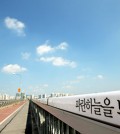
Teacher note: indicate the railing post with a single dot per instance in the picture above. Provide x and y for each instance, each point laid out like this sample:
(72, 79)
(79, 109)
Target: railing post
(55, 125)
(71, 131)
(42, 121)
(53, 128)
(61, 128)
(67, 129)
(38, 119)
(58, 126)
(49, 125)
(46, 123)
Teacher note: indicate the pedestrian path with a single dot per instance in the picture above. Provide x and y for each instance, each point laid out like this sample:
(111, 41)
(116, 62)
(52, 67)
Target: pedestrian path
(6, 111)
(18, 124)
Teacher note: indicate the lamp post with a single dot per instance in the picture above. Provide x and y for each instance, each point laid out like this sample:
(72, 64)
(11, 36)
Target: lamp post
(20, 81)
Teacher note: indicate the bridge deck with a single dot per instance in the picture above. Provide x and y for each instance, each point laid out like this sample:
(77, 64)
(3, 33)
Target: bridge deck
(18, 123)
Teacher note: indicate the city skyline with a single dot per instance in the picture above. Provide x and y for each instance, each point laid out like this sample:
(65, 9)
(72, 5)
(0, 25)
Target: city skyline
(59, 46)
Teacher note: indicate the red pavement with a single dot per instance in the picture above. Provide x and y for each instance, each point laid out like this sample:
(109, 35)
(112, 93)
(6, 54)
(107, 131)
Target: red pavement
(6, 111)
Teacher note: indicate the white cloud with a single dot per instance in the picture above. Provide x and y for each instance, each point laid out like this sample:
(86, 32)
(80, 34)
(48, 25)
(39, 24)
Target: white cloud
(99, 76)
(13, 68)
(62, 46)
(58, 61)
(45, 48)
(15, 25)
(25, 55)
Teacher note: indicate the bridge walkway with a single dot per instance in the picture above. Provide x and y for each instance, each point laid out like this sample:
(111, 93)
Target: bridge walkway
(18, 124)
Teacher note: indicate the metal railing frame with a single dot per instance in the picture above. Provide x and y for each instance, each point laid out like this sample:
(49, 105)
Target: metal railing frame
(50, 120)
(7, 102)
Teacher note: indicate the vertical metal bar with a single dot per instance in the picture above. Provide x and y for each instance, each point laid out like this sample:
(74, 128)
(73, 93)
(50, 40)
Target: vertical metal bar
(67, 129)
(38, 125)
(58, 126)
(61, 128)
(49, 124)
(71, 130)
(46, 122)
(43, 122)
(40, 121)
(55, 124)
(53, 129)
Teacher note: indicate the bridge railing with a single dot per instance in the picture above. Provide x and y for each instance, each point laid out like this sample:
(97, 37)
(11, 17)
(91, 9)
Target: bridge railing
(49, 120)
(7, 102)
(64, 116)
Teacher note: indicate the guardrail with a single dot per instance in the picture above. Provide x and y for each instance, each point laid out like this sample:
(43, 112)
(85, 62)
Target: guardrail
(7, 102)
(81, 114)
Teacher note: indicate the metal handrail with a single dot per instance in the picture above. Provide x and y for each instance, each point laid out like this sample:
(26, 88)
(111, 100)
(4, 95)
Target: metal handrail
(72, 122)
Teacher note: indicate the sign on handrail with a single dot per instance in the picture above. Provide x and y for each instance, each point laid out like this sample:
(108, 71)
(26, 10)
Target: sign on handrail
(103, 107)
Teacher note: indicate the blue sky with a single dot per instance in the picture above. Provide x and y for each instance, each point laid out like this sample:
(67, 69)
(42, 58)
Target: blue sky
(61, 46)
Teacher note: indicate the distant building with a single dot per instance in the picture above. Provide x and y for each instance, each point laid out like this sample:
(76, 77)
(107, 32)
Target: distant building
(30, 96)
(12, 97)
(23, 96)
(6, 97)
(44, 96)
(35, 97)
(39, 96)
(1, 97)
(20, 96)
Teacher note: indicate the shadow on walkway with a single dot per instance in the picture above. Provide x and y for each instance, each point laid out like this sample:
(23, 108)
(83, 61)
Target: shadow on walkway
(31, 126)
(29, 122)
